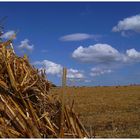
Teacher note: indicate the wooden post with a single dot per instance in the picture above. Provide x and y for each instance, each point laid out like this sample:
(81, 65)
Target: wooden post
(64, 78)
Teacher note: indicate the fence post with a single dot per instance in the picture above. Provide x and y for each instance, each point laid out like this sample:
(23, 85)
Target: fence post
(64, 79)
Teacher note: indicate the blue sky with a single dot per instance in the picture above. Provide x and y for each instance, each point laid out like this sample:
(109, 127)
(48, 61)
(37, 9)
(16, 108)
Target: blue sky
(98, 42)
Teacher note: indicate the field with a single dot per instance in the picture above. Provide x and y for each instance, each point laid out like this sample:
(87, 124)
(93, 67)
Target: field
(107, 112)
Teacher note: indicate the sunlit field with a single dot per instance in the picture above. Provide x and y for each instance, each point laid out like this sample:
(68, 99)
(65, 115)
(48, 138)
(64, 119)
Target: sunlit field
(112, 112)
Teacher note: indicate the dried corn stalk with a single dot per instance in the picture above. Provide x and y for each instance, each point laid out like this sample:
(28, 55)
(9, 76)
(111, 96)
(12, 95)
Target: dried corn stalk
(26, 108)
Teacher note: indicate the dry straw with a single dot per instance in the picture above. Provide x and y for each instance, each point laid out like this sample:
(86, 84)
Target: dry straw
(26, 107)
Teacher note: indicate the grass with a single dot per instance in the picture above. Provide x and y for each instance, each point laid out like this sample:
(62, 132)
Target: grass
(110, 112)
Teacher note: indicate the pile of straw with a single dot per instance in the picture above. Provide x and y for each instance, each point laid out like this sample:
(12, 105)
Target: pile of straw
(26, 108)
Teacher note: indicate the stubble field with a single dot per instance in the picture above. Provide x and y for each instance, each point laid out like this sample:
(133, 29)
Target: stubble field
(107, 112)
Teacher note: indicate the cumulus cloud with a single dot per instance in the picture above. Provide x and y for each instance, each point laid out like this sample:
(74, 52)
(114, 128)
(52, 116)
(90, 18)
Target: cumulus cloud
(132, 56)
(51, 67)
(105, 54)
(24, 45)
(56, 69)
(79, 37)
(98, 53)
(132, 53)
(128, 24)
(8, 34)
(97, 71)
(74, 73)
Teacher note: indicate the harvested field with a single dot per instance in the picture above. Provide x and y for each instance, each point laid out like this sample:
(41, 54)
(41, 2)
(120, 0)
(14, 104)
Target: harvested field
(112, 112)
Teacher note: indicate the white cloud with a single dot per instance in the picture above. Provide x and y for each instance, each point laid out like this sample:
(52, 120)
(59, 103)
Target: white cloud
(51, 67)
(132, 56)
(97, 71)
(105, 54)
(98, 53)
(56, 69)
(132, 53)
(75, 74)
(25, 45)
(128, 24)
(79, 37)
(8, 34)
